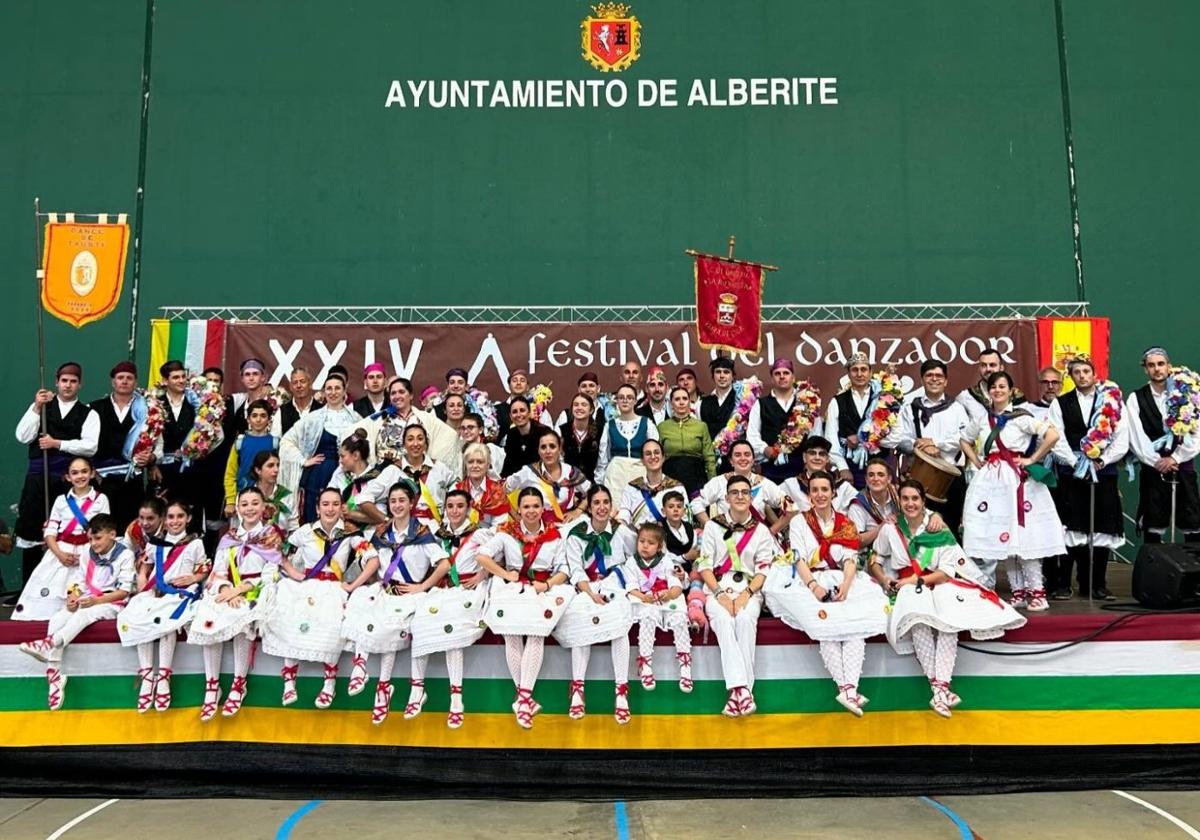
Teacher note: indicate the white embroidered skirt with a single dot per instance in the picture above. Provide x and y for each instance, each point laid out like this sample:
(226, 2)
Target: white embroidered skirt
(951, 609)
(449, 619)
(379, 622)
(45, 592)
(863, 614)
(515, 609)
(305, 620)
(587, 623)
(149, 616)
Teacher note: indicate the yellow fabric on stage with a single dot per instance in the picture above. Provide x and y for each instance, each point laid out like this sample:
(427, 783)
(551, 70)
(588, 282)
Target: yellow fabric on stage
(160, 341)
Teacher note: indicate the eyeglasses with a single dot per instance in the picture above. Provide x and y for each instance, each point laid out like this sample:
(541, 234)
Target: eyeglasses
(1051, 382)
(737, 494)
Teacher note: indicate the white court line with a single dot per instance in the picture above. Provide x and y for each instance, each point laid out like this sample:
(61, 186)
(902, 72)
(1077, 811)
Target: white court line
(1191, 832)
(59, 832)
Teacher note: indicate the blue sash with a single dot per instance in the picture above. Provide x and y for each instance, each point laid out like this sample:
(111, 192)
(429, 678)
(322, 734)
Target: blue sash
(77, 513)
(161, 584)
(648, 498)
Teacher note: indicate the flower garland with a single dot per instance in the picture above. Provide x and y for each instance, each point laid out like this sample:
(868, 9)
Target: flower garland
(1182, 416)
(152, 427)
(478, 402)
(607, 405)
(540, 408)
(883, 413)
(275, 398)
(745, 394)
(801, 419)
(206, 433)
(1101, 430)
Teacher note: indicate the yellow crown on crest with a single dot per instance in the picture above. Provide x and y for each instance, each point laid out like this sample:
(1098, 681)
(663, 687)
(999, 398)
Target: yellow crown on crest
(611, 10)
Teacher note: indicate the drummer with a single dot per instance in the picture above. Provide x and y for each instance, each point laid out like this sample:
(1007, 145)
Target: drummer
(933, 425)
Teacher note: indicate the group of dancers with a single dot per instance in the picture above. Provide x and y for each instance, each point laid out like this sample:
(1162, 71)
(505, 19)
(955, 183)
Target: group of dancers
(373, 526)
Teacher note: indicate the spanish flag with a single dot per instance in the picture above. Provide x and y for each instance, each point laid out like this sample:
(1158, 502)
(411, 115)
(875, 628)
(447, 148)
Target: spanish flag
(199, 344)
(1061, 338)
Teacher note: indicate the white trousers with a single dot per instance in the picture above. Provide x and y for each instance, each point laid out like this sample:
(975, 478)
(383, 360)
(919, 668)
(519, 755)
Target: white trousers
(65, 626)
(737, 636)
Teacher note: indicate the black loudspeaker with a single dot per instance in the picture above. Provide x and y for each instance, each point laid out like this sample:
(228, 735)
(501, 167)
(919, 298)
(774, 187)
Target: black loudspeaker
(1167, 576)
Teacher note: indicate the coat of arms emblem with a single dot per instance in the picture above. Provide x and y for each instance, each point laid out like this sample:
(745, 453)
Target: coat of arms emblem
(612, 37)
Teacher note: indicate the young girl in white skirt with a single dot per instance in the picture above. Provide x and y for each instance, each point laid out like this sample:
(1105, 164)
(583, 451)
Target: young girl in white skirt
(234, 598)
(450, 619)
(169, 575)
(379, 616)
(938, 594)
(825, 595)
(66, 533)
(305, 622)
(658, 603)
(527, 596)
(601, 611)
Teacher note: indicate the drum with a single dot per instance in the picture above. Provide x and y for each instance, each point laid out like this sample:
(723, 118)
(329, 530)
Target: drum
(935, 473)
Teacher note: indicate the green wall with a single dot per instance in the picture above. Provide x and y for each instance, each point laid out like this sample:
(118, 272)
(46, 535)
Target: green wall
(275, 174)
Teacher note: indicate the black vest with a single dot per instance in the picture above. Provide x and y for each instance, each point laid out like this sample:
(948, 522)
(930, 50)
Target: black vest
(60, 428)
(365, 408)
(1152, 419)
(112, 433)
(1075, 425)
(174, 431)
(848, 417)
(714, 414)
(581, 455)
(771, 417)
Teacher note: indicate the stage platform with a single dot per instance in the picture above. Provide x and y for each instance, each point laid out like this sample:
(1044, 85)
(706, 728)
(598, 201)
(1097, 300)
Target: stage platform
(1077, 698)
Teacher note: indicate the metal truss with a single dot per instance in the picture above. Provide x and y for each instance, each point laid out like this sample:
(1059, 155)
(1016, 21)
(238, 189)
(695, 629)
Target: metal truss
(808, 313)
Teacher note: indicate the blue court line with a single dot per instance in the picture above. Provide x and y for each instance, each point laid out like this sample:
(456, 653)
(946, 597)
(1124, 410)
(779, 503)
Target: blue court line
(964, 830)
(621, 821)
(285, 830)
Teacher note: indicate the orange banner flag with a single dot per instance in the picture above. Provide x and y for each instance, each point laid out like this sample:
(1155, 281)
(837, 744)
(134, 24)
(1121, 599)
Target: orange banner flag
(83, 268)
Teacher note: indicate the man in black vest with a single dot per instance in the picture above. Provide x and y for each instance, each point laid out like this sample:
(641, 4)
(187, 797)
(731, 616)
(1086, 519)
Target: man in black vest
(303, 399)
(374, 396)
(844, 417)
(71, 428)
(1074, 414)
(716, 408)
(124, 492)
(768, 418)
(178, 419)
(1168, 461)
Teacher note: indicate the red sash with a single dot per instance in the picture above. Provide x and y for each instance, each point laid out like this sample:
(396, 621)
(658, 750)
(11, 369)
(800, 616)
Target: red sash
(844, 534)
(75, 524)
(530, 547)
(492, 502)
(171, 557)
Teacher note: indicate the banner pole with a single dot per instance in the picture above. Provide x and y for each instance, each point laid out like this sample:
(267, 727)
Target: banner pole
(39, 274)
(138, 214)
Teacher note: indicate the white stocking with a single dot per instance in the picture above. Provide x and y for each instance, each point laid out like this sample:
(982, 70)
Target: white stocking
(145, 655)
(831, 655)
(386, 663)
(531, 661)
(212, 661)
(579, 662)
(241, 655)
(947, 652)
(926, 648)
(646, 633)
(166, 650)
(1016, 580)
(1031, 573)
(419, 664)
(454, 666)
(514, 650)
(620, 658)
(854, 654)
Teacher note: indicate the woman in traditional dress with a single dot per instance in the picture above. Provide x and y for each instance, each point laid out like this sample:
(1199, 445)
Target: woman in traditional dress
(601, 611)
(378, 616)
(825, 594)
(353, 472)
(169, 574)
(430, 479)
(488, 497)
(66, 535)
(643, 499)
(521, 440)
(305, 622)
(765, 495)
(581, 436)
(938, 594)
(308, 452)
(234, 599)
(687, 446)
(527, 596)
(450, 619)
(621, 444)
(876, 504)
(562, 486)
(1009, 513)
(281, 510)
(658, 604)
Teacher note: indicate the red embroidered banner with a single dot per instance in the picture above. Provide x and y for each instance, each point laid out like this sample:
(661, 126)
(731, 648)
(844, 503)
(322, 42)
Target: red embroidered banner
(729, 304)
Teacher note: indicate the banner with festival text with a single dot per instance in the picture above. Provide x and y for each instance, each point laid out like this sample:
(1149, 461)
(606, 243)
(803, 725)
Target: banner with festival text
(557, 353)
(729, 304)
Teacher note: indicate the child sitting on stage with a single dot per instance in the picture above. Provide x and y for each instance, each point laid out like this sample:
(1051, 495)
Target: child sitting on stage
(658, 603)
(96, 589)
(66, 535)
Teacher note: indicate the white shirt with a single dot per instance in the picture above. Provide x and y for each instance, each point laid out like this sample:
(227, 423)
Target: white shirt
(764, 494)
(756, 557)
(843, 494)
(621, 448)
(508, 552)
(464, 556)
(754, 422)
(1142, 445)
(30, 426)
(107, 578)
(62, 520)
(945, 428)
(311, 542)
(577, 564)
(837, 454)
(805, 544)
(417, 559)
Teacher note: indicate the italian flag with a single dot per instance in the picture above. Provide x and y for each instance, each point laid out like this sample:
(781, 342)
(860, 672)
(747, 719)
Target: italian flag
(198, 344)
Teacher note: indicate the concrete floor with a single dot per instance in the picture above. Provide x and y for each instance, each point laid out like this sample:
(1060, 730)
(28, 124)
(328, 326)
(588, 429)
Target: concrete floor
(1088, 815)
